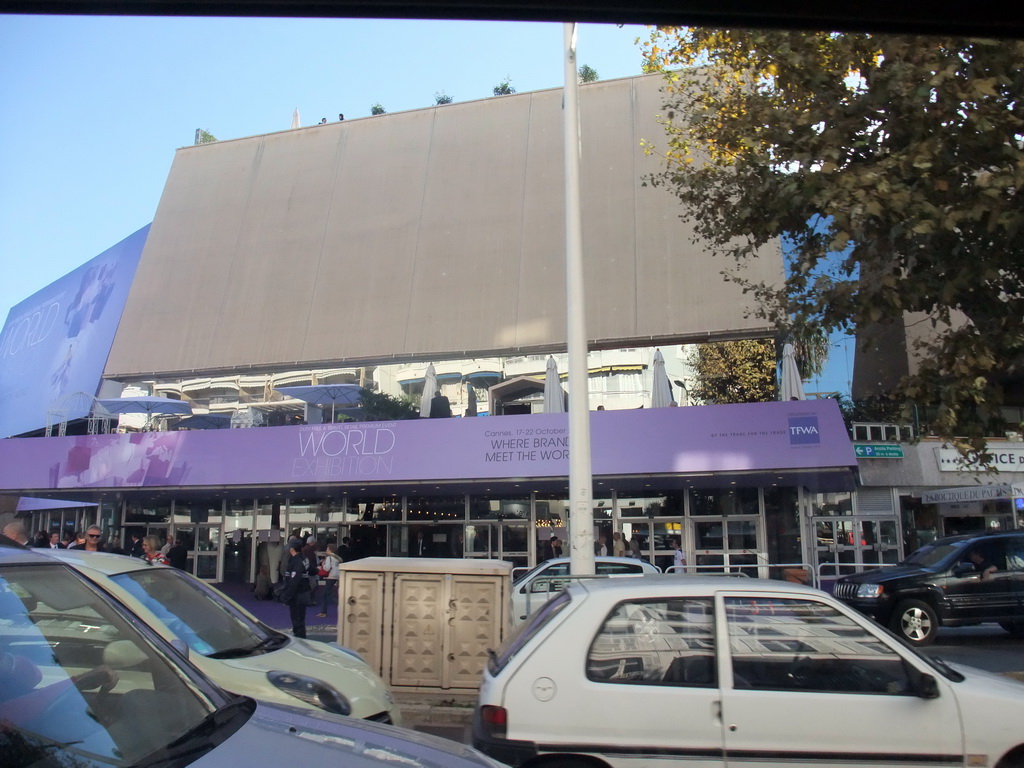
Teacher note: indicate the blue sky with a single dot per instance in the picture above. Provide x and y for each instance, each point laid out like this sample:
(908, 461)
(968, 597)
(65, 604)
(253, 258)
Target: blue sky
(93, 108)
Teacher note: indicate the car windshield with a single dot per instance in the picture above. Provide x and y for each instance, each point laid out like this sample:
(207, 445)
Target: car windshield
(522, 634)
(933, 554)
(79, 684)
(533, 572)
(197, 614)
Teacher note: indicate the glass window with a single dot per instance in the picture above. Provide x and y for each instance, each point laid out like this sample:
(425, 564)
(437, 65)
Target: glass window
(651, 506)
(140, 513)
(782, 527)
(436, 508)
(735, 501)
(522, 634)
(826, 504)
(656, 642)
(602, 510)
(497, 507)
(70, 670)
(198, 615)
(374, 509)
(804, 645)
(552, 511)
(1015, 554)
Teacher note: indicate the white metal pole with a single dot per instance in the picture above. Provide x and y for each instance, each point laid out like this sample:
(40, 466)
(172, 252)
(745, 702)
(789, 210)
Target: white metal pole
(581, 511)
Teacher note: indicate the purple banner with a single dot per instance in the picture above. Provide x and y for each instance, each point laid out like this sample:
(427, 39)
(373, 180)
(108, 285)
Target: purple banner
(56, 342)
(723, 438)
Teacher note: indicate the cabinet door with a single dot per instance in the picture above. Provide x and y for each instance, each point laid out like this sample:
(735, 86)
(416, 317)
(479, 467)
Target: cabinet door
(473, 625)
(361, 611)
(420, 617)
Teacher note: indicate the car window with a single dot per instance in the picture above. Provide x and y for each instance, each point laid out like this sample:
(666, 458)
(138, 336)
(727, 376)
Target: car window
(933, 554)
(1015, 554)
(546, 581)
(805, 645)
(656, 642)
(78, 684)
(614, 568)
(193, 611)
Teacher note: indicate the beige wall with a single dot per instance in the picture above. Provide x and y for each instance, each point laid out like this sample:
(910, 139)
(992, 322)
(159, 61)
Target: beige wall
(421, 235)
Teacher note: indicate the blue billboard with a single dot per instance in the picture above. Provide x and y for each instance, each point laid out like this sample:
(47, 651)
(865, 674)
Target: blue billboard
(55, 343)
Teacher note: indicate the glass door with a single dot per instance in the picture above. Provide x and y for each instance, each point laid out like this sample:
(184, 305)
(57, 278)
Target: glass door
(851, 543)
(728, 545)
(205, 545)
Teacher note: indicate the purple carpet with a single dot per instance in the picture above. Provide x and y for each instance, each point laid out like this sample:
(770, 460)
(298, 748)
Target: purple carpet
(273, 613)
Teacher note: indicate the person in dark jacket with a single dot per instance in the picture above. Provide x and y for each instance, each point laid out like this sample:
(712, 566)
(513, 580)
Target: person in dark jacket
(296, 591)
(177, 554)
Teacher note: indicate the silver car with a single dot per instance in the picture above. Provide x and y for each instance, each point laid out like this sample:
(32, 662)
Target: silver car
(83, 683)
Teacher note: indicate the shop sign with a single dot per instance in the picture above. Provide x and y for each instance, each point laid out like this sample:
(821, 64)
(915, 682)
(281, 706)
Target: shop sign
(971, 493)
(1001, 458)
(878, 451)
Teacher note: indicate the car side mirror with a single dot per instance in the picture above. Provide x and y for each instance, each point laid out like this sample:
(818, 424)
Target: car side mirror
(964, 569)
(924, 685)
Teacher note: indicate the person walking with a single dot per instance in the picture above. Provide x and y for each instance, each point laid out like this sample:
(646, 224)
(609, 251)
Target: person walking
(329, 567)
(678, 557)
(296, 593)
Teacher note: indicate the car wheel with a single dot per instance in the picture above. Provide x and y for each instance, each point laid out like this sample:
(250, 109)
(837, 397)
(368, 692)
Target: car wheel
(915, 621)
(1015, 628)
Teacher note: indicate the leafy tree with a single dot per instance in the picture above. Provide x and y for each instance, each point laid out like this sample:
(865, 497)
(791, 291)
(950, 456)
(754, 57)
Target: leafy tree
(734, 372)
(440, 97)
(504, 88)
(587, 74)
(377, 109)
(204, 137)
(379, 406)
(893, 164)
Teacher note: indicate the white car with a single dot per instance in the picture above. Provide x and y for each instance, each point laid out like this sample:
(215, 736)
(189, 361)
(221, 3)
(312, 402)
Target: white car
(709, 672)
(237, 650)
(535, 587)
(84, 683)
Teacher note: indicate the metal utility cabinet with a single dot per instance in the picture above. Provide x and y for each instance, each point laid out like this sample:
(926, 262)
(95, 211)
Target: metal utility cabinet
(424, 623)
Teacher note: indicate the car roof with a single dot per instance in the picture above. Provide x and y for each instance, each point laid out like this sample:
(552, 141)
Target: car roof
(18, 555)
(674, 584)
(106, 563)
(984, 536)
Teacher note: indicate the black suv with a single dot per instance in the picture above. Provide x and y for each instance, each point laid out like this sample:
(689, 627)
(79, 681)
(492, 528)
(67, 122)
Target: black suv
(951, 582)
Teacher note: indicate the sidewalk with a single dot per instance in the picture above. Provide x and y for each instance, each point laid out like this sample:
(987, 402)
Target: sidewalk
(442, 713)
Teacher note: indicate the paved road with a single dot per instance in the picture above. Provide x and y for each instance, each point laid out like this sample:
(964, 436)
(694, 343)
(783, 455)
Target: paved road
(985, 646)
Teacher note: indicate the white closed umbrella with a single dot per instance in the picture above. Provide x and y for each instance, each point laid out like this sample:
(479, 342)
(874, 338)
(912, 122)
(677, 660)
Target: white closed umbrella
(791, 386)
(296, 123)
(554, 395)
(429, 390)
(661, 388)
